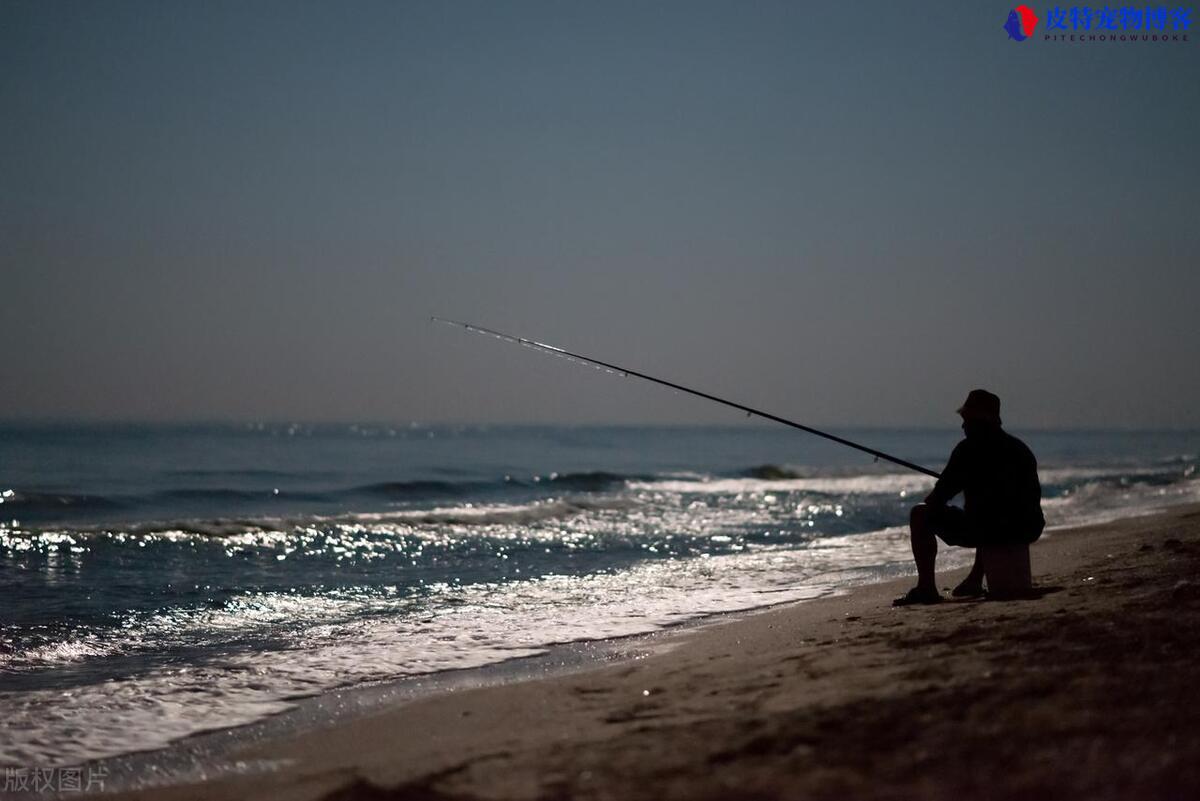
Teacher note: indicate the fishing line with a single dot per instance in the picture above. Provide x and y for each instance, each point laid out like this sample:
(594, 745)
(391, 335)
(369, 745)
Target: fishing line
(542, 347)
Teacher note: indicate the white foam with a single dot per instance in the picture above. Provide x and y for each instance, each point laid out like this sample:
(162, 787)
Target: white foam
(875, 484)
(334, 641)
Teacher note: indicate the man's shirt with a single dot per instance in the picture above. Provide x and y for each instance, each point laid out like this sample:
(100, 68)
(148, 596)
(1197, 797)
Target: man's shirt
(997, 475)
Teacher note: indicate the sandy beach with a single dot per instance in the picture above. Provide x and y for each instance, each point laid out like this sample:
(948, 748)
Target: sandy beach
(1087, 691)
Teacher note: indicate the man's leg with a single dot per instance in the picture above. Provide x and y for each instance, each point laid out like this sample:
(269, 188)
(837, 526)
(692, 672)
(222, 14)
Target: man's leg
(924, 547)
(972, 585)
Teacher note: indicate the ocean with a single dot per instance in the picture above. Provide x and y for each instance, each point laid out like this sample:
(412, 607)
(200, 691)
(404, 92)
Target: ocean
(163, 580)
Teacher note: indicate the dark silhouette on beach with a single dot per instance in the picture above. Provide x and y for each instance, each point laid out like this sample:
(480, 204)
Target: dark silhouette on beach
(1001, 513)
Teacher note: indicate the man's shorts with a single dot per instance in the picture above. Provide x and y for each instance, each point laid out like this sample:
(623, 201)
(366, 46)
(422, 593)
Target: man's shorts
(951, 526)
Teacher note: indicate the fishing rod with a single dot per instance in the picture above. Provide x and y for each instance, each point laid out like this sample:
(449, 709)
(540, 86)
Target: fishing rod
(626, 372)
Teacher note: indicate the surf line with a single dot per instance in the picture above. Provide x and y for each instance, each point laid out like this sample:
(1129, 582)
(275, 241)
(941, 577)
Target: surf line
(626, 372)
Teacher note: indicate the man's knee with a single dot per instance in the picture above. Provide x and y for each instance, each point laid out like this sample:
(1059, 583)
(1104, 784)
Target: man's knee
(918, 517)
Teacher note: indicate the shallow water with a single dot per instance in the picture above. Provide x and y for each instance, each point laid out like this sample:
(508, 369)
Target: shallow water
(161, 581)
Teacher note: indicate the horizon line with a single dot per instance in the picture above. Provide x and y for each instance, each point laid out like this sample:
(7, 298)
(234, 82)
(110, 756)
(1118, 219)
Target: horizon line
(396, 425)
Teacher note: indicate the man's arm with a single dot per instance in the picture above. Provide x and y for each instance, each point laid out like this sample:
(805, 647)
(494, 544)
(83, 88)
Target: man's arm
(951, 482)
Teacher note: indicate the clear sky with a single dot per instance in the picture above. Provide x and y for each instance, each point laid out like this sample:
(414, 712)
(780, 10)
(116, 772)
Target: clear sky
(849, 213)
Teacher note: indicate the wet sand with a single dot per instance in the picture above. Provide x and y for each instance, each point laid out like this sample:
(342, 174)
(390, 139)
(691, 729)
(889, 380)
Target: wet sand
(1088, 691)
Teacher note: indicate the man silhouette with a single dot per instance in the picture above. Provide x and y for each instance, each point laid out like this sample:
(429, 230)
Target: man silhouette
(1002, 499)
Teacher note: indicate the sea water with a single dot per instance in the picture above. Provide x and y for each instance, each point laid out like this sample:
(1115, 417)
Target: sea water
(158, 581)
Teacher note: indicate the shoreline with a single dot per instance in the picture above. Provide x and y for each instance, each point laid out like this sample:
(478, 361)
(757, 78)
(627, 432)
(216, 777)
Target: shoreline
(198, 757)
(205, 754)
(750, 706)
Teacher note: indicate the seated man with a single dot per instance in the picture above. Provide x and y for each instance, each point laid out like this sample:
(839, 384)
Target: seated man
(1002, 499)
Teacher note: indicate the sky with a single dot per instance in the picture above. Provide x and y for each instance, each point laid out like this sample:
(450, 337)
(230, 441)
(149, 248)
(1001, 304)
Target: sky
(844, 213)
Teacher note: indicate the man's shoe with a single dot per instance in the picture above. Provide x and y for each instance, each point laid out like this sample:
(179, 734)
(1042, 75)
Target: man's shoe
(917, 595)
